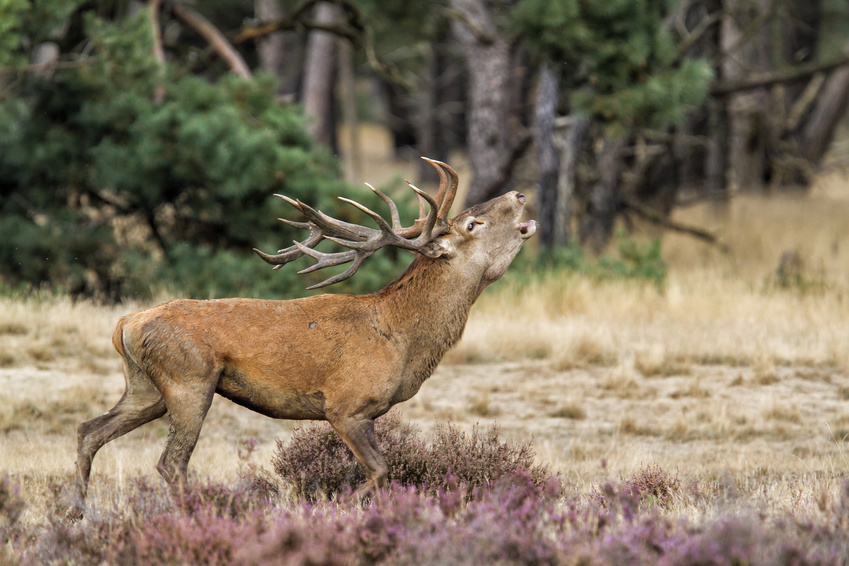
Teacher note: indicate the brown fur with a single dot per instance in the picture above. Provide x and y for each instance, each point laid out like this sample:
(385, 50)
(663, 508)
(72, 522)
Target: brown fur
(342, 358)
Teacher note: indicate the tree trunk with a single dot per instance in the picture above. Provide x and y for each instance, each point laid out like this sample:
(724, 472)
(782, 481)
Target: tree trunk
(603, 198)
(440, 117)
(817, 131)
(348, 95)
(427, 122)
(488, 58)
(270, 47)
(317, 88)
(279, 53)
(570, 144)
(744, 51)
(547, 158)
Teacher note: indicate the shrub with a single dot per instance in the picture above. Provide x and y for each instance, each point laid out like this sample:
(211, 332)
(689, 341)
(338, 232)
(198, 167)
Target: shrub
(649, 487)
(317, 462)
(653, 486)
(635, 261)
(11, 504)
(513, 520)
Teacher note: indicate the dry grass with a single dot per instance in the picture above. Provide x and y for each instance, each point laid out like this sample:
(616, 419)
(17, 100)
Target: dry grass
(728, 378)
(717, 308)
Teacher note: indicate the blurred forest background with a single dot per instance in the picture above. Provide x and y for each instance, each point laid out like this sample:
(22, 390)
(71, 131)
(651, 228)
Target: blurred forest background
(141, 142)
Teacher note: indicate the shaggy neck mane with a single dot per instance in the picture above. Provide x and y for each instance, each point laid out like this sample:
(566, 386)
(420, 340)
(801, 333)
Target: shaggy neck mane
(429, 304)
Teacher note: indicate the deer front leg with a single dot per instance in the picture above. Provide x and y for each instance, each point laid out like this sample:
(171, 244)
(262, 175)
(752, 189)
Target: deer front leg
(187, 412)
(358, 434)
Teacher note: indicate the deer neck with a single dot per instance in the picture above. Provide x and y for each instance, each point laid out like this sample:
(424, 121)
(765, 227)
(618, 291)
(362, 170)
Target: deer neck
(427, 307)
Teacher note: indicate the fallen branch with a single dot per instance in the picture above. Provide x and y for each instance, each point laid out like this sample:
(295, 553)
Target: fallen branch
(661, 220)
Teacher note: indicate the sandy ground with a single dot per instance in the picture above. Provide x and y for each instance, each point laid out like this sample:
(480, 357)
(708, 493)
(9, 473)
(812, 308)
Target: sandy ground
(591, 424)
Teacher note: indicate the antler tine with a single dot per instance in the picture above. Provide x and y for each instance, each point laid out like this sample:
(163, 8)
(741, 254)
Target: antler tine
(332, 226)
(357, 259)
(393, 209)
(446, 194)
(292, 253)
(320, 226)
(421, 201)
(324, 260)
(432, 217)
(342, 276)
(384, 227)
(293, 224)
(328, 260)
(443, 180)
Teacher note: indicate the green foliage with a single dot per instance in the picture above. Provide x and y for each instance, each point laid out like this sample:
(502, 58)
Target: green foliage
(793, 274)
(120, 175)
(11, 20)
(24, 24)
(639, 261)
(636, 261)
(619, 61)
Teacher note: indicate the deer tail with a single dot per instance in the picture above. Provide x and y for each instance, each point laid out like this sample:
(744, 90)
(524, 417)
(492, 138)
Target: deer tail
(118, 336)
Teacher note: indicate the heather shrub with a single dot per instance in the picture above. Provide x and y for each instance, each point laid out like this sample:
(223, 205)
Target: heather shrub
(317, 462)
(218, 500)
(653, 486)
(181, 539)
(649, 487)
(11, 504)
(514, 520)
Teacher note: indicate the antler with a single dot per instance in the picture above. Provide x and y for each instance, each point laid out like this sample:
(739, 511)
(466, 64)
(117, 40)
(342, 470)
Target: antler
(364, 241)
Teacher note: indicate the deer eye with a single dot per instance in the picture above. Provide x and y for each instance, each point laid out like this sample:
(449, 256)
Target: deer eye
(471, 226)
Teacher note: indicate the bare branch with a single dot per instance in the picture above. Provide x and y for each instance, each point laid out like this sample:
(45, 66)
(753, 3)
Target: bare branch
(759, 80)
(153, 17)
(158, 53)
(354, 30)
(481, 35)
(215, 38)
(803, 103)
(698, 32)
(290, 22)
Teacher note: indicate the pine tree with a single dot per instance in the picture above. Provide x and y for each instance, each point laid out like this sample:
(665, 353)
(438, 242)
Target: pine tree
(107, 189)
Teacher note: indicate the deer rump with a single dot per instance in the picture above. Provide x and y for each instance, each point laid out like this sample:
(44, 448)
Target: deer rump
(343, 358)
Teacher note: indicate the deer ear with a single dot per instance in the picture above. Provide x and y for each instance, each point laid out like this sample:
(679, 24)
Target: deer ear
(440, 247)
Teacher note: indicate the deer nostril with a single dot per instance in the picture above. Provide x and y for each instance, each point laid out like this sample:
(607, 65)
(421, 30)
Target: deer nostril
(521, 197)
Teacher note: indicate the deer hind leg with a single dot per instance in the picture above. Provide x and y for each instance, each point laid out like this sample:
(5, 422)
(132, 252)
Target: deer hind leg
(140, 404)
(187, 409)
(358, 434)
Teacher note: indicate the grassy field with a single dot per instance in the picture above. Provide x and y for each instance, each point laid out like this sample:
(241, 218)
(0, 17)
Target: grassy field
(734, 376)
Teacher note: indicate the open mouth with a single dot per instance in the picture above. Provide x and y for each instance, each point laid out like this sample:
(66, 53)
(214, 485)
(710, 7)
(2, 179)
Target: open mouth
(528, 228)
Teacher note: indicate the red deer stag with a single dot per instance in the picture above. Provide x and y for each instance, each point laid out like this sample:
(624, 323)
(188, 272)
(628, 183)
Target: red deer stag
(342, 358)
